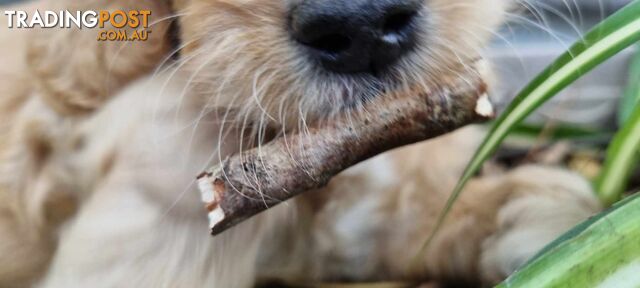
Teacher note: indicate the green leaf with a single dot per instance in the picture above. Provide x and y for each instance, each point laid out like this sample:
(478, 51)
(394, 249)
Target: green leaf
(602, 252)
(561, 132)
(623, 156)
(613, 35)
(632, 93)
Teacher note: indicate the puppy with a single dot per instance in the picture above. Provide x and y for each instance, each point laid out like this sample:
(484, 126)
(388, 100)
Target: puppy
(97, 183)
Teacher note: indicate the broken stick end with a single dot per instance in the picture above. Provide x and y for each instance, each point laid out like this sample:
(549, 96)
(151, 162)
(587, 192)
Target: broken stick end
(211, 197)
(484, 107)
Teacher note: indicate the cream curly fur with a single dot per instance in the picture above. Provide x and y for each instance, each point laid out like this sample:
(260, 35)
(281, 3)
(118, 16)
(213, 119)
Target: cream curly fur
(96, 188)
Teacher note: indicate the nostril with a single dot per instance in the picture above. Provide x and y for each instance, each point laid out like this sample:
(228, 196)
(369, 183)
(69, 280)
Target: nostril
(331, 43)
(398, 22)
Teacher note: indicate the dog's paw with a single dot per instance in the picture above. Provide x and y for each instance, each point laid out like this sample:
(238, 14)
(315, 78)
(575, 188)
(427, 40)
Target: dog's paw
(543, 204)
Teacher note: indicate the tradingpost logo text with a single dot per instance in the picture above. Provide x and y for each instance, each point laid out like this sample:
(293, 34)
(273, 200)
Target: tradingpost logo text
(116, 25)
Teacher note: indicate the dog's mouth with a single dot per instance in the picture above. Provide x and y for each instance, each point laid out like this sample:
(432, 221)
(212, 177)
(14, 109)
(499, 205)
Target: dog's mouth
(355, 90)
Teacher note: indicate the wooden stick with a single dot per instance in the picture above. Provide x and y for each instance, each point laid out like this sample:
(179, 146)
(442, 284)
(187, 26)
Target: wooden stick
(256, 180)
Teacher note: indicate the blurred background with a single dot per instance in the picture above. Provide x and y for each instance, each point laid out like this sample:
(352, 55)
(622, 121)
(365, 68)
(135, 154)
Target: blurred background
(546, 29)
(575, 128)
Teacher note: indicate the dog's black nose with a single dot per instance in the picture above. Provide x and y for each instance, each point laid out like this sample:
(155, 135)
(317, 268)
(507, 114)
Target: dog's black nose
(353, 36)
